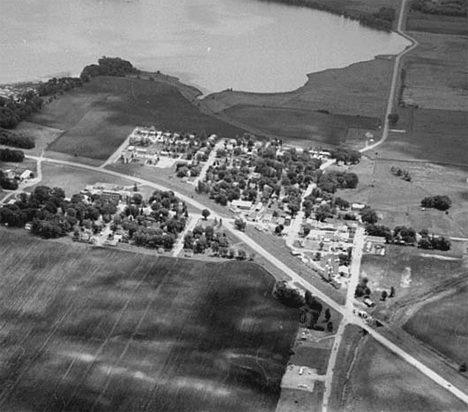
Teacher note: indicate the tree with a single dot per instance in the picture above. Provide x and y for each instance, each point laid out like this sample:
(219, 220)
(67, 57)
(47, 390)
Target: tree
(205, 213)
(393, 119)
(392, 292)
(463, 367)
(369, 216)
(240, 224)
(327, 315)
(384, 296)
(330, 326)
(241, 255)
(279, 229)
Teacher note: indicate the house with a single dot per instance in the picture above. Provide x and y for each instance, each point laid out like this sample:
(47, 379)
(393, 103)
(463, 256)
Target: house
(379, 240)
(242, 204)
(27, 174)
(343, 270)
(358, 206)
(368, 302)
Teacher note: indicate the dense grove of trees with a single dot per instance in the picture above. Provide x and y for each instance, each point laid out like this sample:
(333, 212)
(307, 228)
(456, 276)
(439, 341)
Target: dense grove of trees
(433, 242)
(348, 156)
(443, 7)
(381, 20)
(15, 109)
(11, 155)
(437, 202)
(162, 226)
(41, 208)
(334, 180)
(108, 66)
(407, 236)
(58, 86)
(310, 307)
(52, 216)
(8, 184)
(203, 238)
(16, 140)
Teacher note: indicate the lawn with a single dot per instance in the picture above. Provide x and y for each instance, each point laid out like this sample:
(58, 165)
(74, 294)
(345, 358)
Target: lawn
(359, 89)
(382, 381)
(83, 326)
(99, 116)
(415, 274)
(398, 202)
(73, 179)
(443, 325)
(312, 126)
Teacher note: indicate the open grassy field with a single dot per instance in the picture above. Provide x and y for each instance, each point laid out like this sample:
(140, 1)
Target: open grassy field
(73, 179)
(399, 202)
(97, 329)
(360, 89)
(436, 72)
(415, 274)
(99, 116)
(442, 324)
(382, 381)
(312, 126)
(434, 23)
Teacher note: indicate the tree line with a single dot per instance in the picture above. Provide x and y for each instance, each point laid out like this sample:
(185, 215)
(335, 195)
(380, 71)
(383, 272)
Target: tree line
(381, 20)
(8, 138)
(18, 108)
(11, 155)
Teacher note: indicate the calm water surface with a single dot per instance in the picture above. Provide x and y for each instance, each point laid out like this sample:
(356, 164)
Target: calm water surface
(213, 44)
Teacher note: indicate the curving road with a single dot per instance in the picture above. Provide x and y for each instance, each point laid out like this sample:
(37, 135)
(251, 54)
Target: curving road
(396, 71)
(345, 311)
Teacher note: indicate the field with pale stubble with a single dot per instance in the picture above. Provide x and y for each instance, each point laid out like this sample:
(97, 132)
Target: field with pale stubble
(92, 329)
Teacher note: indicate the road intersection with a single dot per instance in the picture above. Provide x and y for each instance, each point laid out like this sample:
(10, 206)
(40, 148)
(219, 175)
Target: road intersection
(345, 311)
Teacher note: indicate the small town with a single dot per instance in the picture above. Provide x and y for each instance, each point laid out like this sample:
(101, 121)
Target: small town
(260, 206)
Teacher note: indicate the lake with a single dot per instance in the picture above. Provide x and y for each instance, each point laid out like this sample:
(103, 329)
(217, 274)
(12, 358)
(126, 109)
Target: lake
(212, 44)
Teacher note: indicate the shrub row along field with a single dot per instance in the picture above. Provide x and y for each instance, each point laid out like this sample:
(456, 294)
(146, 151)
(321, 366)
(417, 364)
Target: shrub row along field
(323, 128)
(99, 116)
(97, 329)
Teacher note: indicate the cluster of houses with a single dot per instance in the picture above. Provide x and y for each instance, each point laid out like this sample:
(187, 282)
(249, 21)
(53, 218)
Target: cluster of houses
(20, 175)
(157, 148)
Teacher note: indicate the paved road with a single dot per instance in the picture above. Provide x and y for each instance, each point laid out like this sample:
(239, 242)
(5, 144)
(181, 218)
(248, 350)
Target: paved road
(351, 318)
(209, 162)
(194, 218)
(396, 71)
(358, 245)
